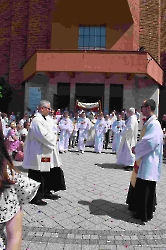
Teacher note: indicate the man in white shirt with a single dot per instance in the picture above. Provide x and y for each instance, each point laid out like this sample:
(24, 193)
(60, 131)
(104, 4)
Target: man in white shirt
(24, 119)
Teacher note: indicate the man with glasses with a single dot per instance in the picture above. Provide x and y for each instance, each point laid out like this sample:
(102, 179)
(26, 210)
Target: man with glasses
(147, 169)
(41, 156)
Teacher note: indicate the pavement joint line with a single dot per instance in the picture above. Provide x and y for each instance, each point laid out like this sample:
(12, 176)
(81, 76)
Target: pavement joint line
(85, 237)
(92, 232)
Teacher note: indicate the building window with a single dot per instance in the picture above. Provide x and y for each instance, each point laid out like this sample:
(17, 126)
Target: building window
(92, 37)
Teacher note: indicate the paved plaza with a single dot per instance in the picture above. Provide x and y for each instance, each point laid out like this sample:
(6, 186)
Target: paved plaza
(91, 214)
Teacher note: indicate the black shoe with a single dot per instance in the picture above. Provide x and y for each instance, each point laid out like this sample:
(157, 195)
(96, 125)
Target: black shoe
(138, 217)
(39, 202)
(128, 168)
(51, 196)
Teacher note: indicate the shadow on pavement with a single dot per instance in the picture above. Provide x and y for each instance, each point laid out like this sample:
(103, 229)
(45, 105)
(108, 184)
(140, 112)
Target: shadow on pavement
(109, 165)
(114, 210)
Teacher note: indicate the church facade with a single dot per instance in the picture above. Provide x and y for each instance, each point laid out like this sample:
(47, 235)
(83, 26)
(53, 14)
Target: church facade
(65, 51)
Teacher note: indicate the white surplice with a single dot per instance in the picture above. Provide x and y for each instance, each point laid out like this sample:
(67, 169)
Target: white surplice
(129, 139)
(41, 142)
(150, 150)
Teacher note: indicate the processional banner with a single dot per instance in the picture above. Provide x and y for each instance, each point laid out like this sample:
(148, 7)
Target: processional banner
(84, 105)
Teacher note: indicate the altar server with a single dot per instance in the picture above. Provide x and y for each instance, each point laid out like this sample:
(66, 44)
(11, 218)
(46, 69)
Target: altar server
(100, 128)
(117, 128)
(83, 126)
(41, 156)
(147, 169)
(66, 128)
(129, 139)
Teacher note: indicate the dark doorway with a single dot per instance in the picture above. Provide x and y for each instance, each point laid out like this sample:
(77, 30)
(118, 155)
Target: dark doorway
(55, 102)
(86, 92)
(116, 97)
(62, 99)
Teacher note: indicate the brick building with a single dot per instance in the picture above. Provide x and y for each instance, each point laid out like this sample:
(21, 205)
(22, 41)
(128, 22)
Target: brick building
(63, 50)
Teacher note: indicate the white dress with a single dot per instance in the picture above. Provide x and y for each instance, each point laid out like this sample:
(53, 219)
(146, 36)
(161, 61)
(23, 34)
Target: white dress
(12, 199)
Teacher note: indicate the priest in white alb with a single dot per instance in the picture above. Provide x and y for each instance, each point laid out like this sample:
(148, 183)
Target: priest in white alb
(41, 156)
(148, 152)
(125, 156)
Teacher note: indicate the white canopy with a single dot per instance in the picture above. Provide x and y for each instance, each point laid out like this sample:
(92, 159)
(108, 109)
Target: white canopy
(84, 105)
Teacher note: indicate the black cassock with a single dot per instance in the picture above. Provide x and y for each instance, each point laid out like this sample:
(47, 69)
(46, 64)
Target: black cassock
(50, 181)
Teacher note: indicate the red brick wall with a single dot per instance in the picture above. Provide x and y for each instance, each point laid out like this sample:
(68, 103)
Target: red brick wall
(5, 31)
(163, 56)
(18, 42)
(135, 11)
(51, 10)
(26, 26)
(38, 25)
(149, 27)
(163, 34)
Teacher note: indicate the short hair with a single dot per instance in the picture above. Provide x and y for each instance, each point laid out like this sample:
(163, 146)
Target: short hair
(132, 110)
(25, 124)
(43, 103)
(150, 103)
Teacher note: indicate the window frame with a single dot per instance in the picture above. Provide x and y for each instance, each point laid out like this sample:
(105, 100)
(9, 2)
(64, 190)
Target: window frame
(86, 34)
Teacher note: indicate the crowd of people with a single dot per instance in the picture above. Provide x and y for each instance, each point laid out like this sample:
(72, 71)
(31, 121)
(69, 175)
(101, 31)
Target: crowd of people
(81, 129)
(38, 139)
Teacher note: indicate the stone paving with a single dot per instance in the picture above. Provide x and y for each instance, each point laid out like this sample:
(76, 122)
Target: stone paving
(91, 214)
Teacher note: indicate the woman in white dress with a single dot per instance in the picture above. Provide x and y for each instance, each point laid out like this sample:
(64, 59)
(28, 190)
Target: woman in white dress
(15, 190)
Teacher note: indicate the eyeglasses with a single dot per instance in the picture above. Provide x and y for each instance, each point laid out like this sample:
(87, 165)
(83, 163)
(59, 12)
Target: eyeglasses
(47, 108)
